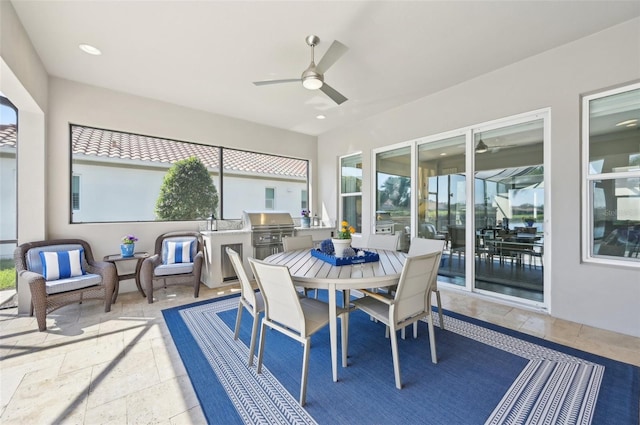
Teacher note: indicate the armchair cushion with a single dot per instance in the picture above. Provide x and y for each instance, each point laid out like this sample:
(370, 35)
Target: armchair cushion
(171, 269)
(72, 283)
(62, 264)
(178, 250)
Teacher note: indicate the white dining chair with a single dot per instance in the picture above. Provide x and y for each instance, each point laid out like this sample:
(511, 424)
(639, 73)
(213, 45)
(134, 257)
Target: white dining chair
(409, 304)
(249, 299)
(295, 317)
(294, 243)
(421, 246)
(381, 241)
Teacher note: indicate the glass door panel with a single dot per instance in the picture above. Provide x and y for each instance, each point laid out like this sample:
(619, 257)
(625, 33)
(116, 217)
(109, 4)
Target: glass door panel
(509, 210)
(393, 194)
(442, 202)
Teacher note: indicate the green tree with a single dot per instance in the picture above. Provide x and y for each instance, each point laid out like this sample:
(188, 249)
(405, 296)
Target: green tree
(187, 192)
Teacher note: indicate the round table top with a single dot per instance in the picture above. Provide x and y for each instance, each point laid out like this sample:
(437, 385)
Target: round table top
(316, 273)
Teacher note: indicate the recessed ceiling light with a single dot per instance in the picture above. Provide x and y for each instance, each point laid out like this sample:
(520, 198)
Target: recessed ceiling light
(87, 48)
(320, 117)
(443, 154)
(628, 123)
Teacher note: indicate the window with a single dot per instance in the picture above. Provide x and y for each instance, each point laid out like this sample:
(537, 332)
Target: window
(75, 193)
(146, 174)
(351, 190)
(269, 198)
(304, 200)
(611, 173)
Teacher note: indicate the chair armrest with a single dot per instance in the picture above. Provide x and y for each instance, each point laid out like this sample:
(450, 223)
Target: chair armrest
(377, 296)
(36, 283)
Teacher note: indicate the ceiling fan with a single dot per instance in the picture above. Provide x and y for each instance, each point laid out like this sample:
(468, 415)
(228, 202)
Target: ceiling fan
(313, 77)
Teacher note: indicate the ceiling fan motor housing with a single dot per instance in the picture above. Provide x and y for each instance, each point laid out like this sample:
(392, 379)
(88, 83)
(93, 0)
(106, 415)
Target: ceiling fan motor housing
(311, 79)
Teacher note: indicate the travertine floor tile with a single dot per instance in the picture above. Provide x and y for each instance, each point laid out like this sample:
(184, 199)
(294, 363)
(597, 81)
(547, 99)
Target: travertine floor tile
(122, 367)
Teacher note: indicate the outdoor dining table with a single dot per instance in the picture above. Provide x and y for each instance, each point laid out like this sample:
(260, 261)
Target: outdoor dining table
(311, 272)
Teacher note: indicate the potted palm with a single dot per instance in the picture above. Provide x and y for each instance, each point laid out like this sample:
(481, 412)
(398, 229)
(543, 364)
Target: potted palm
(342, 240)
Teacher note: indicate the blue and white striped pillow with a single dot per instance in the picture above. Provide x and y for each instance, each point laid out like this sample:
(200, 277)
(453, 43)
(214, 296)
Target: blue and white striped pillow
(179, 252)
(61, 264)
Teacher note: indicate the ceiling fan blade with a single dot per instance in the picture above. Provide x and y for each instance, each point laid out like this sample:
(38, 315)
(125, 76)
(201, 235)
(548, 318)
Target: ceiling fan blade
(335, 52)
(267, 82)
(333, 94)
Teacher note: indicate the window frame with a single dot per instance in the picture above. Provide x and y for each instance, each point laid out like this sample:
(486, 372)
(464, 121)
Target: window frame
(302, 177)
(588, 180)
(342, 194)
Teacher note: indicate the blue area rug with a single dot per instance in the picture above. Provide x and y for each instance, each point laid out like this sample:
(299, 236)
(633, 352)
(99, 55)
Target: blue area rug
(485, 374)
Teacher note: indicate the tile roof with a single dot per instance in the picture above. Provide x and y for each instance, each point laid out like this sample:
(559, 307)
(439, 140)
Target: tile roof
(8, 135)
(113, 144)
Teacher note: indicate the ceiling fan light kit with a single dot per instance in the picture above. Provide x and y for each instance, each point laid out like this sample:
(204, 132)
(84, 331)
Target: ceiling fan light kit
(313, 77)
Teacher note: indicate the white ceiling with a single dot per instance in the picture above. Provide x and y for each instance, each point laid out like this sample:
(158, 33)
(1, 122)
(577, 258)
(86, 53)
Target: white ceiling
(206, 54)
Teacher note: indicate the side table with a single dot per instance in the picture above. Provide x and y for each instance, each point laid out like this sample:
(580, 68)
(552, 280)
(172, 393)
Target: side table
(115, 259)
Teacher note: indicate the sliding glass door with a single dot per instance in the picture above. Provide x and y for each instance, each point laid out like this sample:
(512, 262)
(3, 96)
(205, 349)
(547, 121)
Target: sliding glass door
(442, 201)
(508, 201)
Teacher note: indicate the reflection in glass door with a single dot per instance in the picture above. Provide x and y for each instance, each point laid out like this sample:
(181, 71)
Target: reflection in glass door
(442, 202)
(509, 210)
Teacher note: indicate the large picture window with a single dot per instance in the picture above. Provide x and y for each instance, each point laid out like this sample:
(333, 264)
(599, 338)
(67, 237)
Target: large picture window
(131, 177)
(611, 173)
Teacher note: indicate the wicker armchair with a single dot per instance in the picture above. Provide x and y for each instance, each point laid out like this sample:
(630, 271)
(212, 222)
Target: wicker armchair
(97, 282)
(157, 269)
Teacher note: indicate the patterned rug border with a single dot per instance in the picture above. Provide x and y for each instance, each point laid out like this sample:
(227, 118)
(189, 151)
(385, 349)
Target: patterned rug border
(555, 368)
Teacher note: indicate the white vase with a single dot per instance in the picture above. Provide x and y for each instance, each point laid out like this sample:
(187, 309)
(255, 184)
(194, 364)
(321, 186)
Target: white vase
(339, 245)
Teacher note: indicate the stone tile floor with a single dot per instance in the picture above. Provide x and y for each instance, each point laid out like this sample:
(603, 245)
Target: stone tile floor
(122, 367)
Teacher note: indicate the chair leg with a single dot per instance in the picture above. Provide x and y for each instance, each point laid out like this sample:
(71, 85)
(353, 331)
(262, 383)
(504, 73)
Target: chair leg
(439, 303)
(396, 359)
(238, 320)
(263, 328)
(254, 334)
(305, 369)
(432, 339)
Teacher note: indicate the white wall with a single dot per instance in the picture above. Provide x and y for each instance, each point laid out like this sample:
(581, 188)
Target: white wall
(601, 296)
(23, 80)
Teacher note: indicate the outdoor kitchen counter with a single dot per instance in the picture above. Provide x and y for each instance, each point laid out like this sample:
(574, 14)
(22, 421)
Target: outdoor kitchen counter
(214, 244)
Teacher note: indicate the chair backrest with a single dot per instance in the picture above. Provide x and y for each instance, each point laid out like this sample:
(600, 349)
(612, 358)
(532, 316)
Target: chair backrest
(27, 255)
(378, 241)
(421, 246)
(246, 290)
(292, 243)
(457, 236)
(281, 301)
(415, 283)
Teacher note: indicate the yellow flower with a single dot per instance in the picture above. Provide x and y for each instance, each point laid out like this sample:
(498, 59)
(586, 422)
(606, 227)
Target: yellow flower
(345, 230)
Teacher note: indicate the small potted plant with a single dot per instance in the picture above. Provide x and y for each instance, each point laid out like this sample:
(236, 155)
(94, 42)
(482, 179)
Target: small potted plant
(343, 238)
(128, 246)
(306, 219)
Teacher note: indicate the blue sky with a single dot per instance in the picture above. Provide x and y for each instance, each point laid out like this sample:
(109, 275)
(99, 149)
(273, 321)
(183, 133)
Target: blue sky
(7, 114)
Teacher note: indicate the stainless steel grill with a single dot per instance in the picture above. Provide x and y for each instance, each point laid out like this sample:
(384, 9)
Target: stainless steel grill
(384, 223)
(267, 231)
